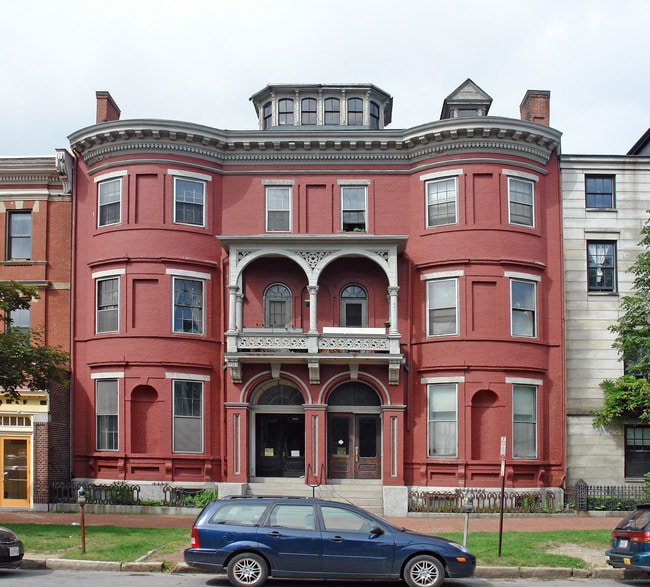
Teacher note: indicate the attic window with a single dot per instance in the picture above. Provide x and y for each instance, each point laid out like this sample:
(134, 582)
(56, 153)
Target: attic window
(467, 112)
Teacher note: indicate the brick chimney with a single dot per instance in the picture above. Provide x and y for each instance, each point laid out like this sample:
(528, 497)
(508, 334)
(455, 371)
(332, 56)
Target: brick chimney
(107, 110)
(536, 107)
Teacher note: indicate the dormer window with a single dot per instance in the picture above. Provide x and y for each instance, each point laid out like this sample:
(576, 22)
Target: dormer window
(355, 112)
(285, 112)
(308, 111)
(332, 111)
(267, 115)
(467, 112)
(374, 116)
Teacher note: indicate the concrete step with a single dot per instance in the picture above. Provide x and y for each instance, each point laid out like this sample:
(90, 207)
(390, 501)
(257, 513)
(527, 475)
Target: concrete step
(366, 494)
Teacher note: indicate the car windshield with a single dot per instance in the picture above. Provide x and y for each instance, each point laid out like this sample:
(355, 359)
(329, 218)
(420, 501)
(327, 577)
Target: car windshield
(635, 522)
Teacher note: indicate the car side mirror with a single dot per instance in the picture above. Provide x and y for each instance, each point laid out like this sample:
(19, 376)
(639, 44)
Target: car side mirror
(376, 531)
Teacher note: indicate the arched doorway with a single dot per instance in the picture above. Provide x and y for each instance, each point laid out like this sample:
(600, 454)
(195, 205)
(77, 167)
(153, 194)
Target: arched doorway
(354, 432)
(279, 430)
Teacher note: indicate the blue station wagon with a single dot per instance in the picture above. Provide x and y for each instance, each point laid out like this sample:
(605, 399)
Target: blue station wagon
(253, 538)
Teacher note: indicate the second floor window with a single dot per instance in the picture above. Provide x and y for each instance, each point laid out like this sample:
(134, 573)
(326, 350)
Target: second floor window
(441, 202)
(188, 305)
(108, 303)
(599, 191)
(353, 208)
(523, 320)
(442, 420)
(521, 207)
(277, 306)
(354, 307)
(601, 266)
(109, 202)
(355, 111)
(442, 307)
(19, 237)
(189, 201)
(285, 112)
(278, 209)
(308, 111)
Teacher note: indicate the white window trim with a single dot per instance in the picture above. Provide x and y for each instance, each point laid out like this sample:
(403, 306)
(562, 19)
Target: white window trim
(365, 200)
(441, 177)
(185, 377)
(535, 309)
(441, 174)
(114, 275)
(173, 304)
(108, 273)
(186, 273)
(110, 175)
(108, 375)
(446, 380)
(512, 423)
(523, 381)
(117, 448)
(523, 177)
(457, 304)
(99, 204)
(441, 275)
(266, 206)
(203, 204)
(453, 379)
(189, 174)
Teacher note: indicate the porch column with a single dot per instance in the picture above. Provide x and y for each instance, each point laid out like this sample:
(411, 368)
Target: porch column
(392, 305)
(239, 316)
(232, 308)
(313, 325)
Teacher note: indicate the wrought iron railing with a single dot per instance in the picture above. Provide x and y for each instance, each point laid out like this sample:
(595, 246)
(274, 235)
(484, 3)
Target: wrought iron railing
(484, 501)
(586, 497)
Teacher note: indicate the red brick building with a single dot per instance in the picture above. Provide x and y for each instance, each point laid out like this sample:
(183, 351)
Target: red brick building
(321, 300)
(35, 219)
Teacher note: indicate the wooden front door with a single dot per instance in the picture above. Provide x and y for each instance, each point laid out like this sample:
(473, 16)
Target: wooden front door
(280, 445)
(354, 446)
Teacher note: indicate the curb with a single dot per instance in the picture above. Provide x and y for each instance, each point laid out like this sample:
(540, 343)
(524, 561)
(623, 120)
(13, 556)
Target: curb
(538, 573)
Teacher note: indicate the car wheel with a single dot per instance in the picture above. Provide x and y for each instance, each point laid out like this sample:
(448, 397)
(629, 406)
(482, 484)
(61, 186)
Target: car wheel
(424, 571)
(247, 570)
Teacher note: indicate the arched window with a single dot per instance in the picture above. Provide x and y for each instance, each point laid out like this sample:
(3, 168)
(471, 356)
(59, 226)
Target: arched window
(285, 111)
(280, 393)
(354, 393)
(354, 307)
(332, 111)
(355, 111)
(277, 306)
(308, 111)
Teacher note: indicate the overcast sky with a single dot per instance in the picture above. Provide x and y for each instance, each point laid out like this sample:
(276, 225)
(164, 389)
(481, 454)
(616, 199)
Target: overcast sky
(201, 60)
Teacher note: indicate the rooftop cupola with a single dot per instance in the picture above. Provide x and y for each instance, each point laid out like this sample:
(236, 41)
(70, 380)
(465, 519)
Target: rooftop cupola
(354, 106)
(465, 101)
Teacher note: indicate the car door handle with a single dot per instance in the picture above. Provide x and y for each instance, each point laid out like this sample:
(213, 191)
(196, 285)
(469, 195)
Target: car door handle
(275, 534)
(336, 539)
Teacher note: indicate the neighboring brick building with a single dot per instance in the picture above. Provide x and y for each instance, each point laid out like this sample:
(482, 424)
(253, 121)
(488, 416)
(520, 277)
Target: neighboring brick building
(321, 300)
(605, 204)
(35, 219)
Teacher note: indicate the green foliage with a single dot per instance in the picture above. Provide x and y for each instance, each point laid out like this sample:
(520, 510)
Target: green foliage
(25, 360)
(201, 499)
(626, 397)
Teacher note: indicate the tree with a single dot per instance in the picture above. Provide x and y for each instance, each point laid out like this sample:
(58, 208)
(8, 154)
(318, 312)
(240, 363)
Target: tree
(25, 361)
(628, 397)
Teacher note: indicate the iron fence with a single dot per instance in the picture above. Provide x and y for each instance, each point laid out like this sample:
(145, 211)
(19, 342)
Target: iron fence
(485, 501)
(586, 497)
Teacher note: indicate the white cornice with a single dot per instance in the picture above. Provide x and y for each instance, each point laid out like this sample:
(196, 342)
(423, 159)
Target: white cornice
(309, 146)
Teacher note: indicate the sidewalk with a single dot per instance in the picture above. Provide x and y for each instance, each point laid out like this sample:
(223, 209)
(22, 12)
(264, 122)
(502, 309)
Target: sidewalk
(426, 523)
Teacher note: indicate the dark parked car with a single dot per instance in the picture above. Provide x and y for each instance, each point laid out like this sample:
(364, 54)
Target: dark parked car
(302, 538)
(11, 549)
(630, 541)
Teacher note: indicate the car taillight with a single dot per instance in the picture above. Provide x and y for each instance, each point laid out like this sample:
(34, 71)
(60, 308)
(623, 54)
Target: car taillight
(194, 538)
(641, 537)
